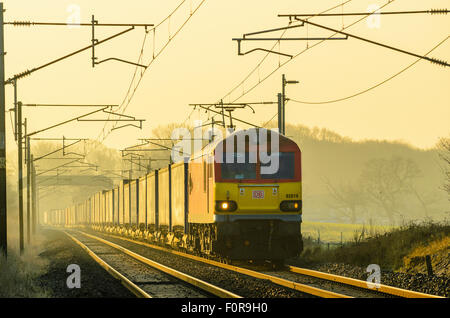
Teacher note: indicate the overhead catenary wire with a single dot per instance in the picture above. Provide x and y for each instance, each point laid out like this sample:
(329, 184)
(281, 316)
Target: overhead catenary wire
(131, 91)
(132, 88)
(301, 52)
(28, 72)
(372, 87)
(163, 48)
(295, 56)
(127, 99)
(139, 60)
(257, 67)
(142, 53)
(267, 54)
(436, 61)
(12, 125)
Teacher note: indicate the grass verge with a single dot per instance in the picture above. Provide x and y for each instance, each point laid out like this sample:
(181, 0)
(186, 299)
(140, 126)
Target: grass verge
(390, 249)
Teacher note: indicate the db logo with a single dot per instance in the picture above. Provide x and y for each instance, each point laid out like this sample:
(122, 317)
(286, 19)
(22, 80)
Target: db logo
(258, 194)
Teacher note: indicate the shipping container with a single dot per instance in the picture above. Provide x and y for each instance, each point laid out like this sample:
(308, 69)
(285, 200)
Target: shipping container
(126, 203)
(152, 201)
(116, 206)
(109, 207)
(178, 196)
(101, 207)
(164, 199)
(89, 206)
(97, 207)
(142, 213)
(134, 192)
(121, 202)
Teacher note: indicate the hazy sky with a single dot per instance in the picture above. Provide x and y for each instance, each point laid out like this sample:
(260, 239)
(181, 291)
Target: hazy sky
(201, 65)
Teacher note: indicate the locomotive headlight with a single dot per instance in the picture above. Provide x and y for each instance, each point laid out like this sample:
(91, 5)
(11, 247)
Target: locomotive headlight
(226, 206)
(291, 206)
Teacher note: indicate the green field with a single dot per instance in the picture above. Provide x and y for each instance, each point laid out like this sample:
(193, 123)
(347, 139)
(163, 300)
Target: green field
(331, 232)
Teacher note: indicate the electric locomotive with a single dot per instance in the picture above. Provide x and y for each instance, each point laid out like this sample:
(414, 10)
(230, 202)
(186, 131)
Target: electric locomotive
(237, 211)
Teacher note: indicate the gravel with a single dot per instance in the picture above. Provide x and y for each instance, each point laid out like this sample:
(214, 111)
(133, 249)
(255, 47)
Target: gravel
(61, 251)
(336, 287)
(154, 282)
(239, 284)
(435, 285)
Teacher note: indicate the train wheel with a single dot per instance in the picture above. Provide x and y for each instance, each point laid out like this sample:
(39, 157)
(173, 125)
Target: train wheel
(277, 264)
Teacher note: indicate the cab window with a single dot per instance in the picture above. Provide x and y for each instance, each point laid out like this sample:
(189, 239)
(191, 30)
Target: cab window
(236, 169)
(286, 166)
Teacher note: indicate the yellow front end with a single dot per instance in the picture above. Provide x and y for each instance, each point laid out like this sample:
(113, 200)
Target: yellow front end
(258, 221)
(258, 198)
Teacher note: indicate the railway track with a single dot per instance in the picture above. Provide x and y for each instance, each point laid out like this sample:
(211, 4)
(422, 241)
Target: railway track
(306, 281)
(241, 281)
(142, 276)
(381, 289)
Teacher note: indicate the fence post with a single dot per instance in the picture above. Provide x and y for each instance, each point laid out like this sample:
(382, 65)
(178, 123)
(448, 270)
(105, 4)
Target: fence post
(429, 266)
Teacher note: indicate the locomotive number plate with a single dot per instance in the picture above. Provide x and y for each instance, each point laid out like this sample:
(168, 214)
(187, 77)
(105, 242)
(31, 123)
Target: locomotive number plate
(258, 194)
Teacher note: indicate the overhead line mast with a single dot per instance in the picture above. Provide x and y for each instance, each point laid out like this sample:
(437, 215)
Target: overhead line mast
(3, 206)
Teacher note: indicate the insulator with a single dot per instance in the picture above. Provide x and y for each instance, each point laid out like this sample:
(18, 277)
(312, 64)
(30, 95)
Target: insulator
(440, 62)
(23, 74)
(438, 11)
(22, 23)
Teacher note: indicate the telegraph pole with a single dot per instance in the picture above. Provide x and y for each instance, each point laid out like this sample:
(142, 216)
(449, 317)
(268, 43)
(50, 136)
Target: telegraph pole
(283, 103)
(28, 146)
(280, 113)
(3, 209)
(33, 193)
(19, 163)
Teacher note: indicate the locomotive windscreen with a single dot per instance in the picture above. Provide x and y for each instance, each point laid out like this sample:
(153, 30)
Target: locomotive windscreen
(238, 168)
(286, 166)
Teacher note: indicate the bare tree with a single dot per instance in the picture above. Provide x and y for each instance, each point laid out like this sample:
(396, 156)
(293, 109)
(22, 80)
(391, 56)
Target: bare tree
(387, 181)
(444, 154)
(347, 199)
(426, 199)
(164, 134)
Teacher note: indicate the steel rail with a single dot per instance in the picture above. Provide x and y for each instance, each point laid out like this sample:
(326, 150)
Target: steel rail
(217, 291)
(385, 289)
(125, 281)
(276, 280)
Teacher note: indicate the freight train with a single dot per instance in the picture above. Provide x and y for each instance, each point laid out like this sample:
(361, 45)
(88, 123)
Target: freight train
(226, 208)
